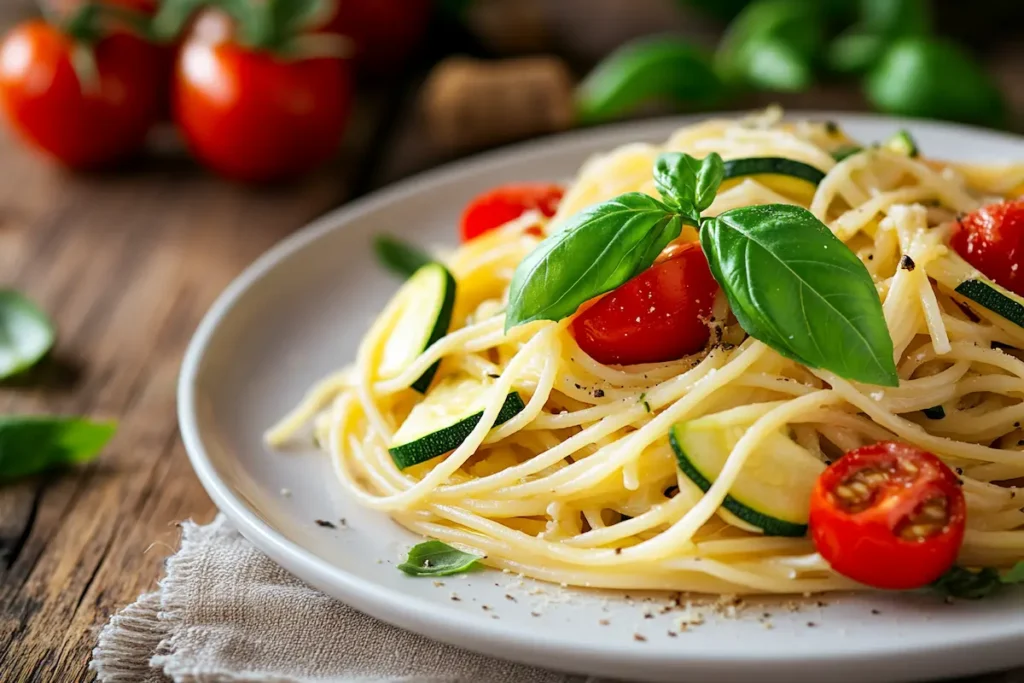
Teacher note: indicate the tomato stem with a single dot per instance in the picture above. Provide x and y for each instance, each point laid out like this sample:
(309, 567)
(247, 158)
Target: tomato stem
(278, 26)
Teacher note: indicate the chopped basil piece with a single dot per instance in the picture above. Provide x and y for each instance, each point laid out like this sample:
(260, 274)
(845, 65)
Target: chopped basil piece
(434, 558)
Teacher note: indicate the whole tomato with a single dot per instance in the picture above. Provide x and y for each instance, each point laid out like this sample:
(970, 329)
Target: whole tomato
(86, 117)
(256, 116)
(383, 32)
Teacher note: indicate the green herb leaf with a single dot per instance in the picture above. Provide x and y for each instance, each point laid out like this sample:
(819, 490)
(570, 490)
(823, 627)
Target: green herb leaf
(796, 287)
(968, 584)
(688, 184)
(33, 444)
(400, 257)
(434, 558)
(896, 17)
(855, 51)
(881, 22)
(769, 63)
(766, 26)
(645, 70)
(1013, 575)
(26, 334)
(598, 250)
(933, 78)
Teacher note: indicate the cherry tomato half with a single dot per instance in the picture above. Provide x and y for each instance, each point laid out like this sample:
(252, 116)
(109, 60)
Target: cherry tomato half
(992, 240)
(888, 515)
(660, 315)
(84, 125)
(494, 208)
(257, 117)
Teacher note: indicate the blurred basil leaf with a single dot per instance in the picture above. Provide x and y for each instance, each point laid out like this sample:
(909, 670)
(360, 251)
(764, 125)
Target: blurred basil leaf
(645, 70)
(773, 64)
(32, 444)
(855, 51)
(26, 334)
(896, 17)
(881, 22)
(783, 33)
(934, 78)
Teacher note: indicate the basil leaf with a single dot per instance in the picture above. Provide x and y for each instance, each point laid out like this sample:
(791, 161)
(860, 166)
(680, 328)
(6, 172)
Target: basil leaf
(795, 286)
(688, 184)
(26, 334)
(644, 70)
(855, 51)
(598, 250)
(896, 17)
(398, 256)
(1013, 575)
(770, 63)
(965, 583)
(796, 24)
(33, 444)
(434, 558)
(933, 78)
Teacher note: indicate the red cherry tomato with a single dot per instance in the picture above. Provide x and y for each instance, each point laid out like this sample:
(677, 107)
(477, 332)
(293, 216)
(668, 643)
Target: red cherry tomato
(257, 117)
(660, 315)
(83, 125)
(496, 207)
(383, 32)
(992, 240)
(888, 515)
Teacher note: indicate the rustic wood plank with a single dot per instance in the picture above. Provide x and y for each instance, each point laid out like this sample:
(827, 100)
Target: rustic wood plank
(126, 263)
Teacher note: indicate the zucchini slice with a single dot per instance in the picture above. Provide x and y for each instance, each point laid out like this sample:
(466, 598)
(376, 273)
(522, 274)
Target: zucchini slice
(902, 143)
(954, 273)
(785, 176)
(423, 310)
(442, 421)
(773, 491)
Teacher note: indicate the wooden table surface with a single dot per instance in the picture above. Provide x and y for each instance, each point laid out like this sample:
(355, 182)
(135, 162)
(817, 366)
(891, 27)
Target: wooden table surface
(127, 264)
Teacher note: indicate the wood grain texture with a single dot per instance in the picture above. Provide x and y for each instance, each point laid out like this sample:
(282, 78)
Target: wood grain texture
(126, 264)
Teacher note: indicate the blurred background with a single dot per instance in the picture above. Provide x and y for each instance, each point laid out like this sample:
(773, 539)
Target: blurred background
(149, 151)
(425, 81)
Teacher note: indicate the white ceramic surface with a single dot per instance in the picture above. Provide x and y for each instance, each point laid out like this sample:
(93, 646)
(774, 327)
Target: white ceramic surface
(299, 311)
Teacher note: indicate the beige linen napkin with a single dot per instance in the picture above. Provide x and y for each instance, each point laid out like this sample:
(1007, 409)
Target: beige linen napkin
(226, 613)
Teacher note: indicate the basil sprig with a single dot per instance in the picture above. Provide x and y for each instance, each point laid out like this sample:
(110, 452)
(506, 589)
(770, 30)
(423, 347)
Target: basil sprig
(790, 282)
(436, 558)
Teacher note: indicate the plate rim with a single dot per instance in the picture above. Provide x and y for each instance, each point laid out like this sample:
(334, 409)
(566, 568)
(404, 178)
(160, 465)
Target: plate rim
(445, 623)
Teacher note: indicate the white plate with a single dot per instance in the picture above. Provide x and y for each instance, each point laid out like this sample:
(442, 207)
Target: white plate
(299, 311)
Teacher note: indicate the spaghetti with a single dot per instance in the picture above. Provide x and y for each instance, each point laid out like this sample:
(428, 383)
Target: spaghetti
(581, 486)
